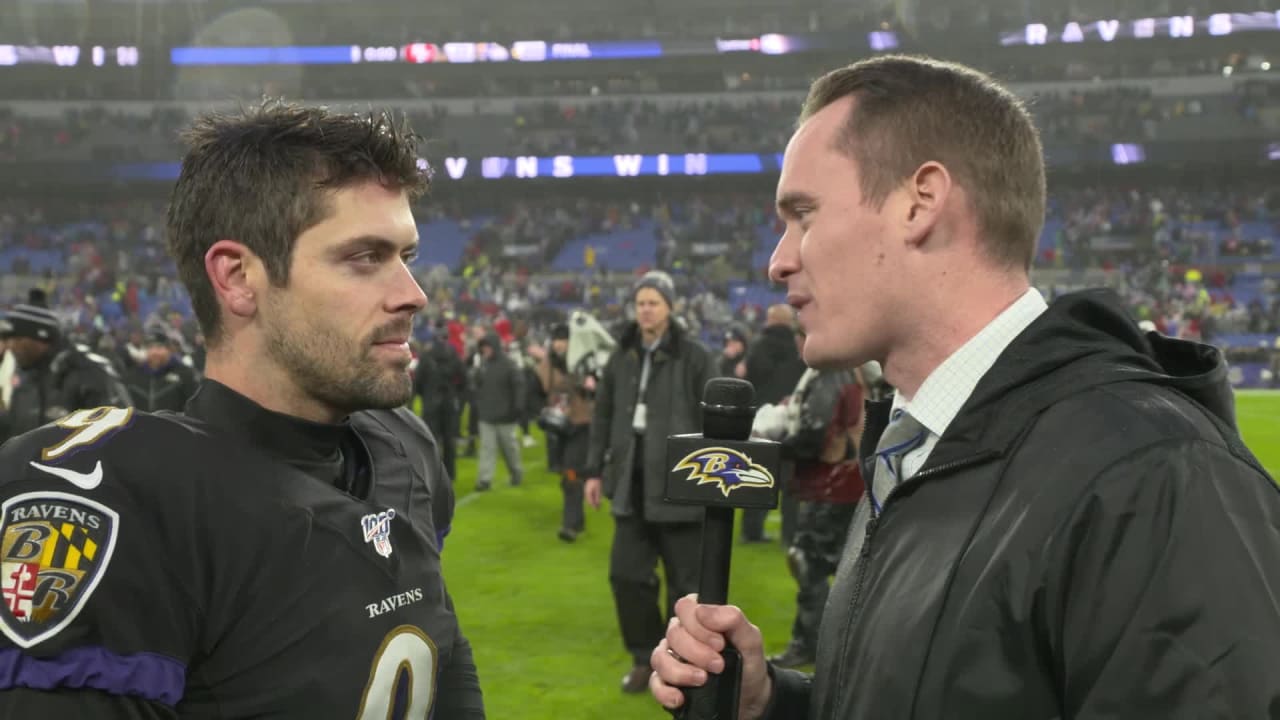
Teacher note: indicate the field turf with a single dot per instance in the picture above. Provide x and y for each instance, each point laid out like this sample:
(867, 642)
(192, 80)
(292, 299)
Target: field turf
(539, 611)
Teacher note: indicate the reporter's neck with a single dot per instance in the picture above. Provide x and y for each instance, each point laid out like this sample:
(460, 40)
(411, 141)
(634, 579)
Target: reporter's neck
(944, 326)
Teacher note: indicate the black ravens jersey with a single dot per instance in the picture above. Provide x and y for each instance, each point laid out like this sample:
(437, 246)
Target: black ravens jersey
(228, 563)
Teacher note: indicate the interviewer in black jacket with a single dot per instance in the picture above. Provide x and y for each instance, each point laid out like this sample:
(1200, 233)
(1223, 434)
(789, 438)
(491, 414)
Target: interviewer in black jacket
(1078, 531)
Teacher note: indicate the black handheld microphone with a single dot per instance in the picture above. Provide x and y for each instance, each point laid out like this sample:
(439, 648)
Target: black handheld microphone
(721, 470)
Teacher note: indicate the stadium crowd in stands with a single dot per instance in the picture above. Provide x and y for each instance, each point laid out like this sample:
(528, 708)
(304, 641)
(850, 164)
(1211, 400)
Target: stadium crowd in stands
(1109, 114)
(105, 270)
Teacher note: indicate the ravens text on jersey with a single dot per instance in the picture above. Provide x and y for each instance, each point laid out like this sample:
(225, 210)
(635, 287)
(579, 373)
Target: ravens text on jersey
(218, 564)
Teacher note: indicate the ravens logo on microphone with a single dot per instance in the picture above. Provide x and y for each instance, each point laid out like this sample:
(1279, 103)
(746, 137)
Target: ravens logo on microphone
(725, 468)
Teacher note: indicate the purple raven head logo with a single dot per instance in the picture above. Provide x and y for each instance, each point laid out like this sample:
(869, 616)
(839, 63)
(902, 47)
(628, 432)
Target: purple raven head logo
(725, 468)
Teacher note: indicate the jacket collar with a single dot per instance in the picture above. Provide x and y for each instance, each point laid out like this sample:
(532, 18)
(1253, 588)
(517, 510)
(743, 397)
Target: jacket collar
(1084, 340)
(671, 341)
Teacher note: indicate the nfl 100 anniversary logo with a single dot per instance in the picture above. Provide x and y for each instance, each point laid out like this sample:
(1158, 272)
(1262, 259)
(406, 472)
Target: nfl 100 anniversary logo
(54, 548)
(377, 530)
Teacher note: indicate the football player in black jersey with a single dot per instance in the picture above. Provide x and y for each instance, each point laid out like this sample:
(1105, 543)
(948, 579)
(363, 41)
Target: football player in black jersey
(275, 551)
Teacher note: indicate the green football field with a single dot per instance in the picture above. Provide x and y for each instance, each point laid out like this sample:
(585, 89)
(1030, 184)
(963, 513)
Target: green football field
(539, 611)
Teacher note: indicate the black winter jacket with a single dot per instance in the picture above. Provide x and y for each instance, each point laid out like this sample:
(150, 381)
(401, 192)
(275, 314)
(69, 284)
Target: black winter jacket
(681, 367)
(1089, 539)
(774, 365)
(70, 378)
(168, 388)
(440, 379)
(499, 387)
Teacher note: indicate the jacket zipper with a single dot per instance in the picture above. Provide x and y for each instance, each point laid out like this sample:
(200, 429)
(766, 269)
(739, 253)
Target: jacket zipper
(864, 556)
(859, 581)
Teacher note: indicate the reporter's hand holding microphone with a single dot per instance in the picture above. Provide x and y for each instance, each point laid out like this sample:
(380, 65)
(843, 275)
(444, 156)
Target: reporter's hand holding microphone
(692, 648)
(711, 664)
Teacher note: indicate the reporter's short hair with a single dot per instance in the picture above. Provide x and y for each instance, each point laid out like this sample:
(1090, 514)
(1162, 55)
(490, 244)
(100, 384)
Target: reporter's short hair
(912, 110)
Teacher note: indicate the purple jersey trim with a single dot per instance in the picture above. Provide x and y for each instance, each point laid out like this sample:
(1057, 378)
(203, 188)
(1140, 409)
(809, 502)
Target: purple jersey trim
(147, 675)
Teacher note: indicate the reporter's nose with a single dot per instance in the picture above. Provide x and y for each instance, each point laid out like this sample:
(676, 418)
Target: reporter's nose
(785, 260)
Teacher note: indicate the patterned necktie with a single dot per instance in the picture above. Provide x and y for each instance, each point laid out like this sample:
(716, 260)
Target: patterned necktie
(903, 435)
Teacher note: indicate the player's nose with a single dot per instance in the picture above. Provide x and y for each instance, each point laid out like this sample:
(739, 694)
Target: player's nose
(405, 294)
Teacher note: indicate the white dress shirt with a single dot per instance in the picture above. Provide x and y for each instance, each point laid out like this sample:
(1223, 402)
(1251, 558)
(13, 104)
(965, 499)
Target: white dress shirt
(950, 384)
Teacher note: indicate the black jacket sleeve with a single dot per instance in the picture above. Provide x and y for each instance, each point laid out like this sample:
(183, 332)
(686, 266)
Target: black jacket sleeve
(790, 699)
(1164, 588)
(602, 419)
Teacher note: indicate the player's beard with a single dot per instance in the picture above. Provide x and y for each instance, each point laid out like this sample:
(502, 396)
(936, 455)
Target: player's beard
(339, 372)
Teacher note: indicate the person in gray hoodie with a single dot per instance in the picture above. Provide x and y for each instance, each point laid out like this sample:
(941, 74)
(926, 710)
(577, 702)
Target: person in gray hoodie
(498, 390)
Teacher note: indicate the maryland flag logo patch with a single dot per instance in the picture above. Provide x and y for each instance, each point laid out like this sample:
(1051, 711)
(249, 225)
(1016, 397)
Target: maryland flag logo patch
(54, 548)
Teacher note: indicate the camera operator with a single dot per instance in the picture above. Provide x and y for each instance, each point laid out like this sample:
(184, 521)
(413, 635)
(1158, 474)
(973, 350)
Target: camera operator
(566, 421)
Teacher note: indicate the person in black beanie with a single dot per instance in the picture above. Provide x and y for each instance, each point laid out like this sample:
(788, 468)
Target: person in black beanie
(55, 377)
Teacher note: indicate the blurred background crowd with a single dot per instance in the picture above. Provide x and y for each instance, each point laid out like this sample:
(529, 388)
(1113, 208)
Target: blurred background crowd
(586, 152)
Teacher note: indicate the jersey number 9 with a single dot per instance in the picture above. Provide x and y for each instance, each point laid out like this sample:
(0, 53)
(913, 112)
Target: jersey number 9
(88, 427)
(403, 679)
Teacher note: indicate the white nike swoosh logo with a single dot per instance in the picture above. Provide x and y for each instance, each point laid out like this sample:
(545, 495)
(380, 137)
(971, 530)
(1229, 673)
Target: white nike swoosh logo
(84, 481)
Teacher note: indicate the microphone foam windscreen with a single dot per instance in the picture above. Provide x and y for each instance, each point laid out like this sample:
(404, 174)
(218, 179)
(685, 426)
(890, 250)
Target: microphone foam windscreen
(729, 392)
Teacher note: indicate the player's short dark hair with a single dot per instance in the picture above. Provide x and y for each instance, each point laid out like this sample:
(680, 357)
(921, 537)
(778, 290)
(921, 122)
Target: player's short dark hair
(259, 176)
(911, 110)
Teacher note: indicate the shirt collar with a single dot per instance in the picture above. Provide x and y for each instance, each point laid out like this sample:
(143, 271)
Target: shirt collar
(949, 386)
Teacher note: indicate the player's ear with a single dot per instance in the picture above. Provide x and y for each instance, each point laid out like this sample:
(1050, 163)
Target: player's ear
(228, 265)
(927, 192)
